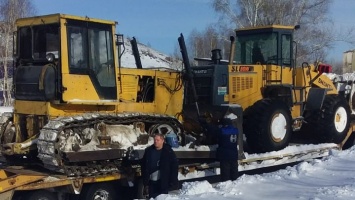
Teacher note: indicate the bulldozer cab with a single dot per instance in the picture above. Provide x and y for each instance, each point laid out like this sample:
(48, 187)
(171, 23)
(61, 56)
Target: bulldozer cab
(266, 45)
(73, 49)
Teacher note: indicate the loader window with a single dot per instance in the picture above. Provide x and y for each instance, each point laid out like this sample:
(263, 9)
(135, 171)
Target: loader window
(101, 57)
(35, 42)
(286, 49)
(25, 43)
(256, 48)
(90, 48)
(77, 55)
(45, 40)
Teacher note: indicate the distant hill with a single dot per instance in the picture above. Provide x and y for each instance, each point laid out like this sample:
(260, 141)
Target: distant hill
(150, 58)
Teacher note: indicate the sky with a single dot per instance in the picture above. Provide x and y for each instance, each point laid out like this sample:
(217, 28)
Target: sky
(158, 23)
(154, 22)
(329, 178)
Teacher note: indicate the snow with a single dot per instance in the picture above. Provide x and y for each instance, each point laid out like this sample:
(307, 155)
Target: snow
(6, 109)
(343, 77)
(150, 58)
(332, 177)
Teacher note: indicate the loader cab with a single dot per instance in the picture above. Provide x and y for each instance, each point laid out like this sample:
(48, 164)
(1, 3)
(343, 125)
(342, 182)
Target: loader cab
(264, 45)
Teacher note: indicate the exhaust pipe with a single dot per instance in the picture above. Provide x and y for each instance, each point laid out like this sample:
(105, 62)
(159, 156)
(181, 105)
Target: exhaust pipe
(135, 52)
(232, 50)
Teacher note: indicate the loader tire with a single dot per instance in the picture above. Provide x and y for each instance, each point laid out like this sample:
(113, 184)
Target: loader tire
(333, 120)
(268, 126)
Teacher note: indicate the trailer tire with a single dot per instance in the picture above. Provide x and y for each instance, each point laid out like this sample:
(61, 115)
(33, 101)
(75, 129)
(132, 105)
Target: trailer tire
(100, 191)
(267, 126)
(333, 119)
(43, 195)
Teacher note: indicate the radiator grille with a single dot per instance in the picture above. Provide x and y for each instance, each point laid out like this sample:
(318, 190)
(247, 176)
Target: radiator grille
(241, 83)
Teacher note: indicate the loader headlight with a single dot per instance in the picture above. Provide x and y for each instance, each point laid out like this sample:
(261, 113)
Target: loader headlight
(50, 57)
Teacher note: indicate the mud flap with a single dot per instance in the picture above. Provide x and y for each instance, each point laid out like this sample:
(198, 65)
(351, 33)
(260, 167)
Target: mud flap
(315, 98)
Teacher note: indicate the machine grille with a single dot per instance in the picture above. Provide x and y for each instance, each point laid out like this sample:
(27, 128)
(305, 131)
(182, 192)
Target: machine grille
(241, 83)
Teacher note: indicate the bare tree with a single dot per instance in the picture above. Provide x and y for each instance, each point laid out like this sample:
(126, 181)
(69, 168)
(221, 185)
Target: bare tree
(214, 36)
(10, 10)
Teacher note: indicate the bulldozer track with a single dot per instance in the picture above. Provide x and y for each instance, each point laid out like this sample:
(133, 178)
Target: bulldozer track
(55, 132)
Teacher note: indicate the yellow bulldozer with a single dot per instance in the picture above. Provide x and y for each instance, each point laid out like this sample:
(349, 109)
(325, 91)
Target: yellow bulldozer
(71, 92)
(78, 111)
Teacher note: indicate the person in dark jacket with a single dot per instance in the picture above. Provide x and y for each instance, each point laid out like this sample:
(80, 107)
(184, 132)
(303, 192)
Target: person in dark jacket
(159, 168)
(227, 151)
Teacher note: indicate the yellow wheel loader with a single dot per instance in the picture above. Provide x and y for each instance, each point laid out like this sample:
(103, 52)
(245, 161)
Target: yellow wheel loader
(278, 96)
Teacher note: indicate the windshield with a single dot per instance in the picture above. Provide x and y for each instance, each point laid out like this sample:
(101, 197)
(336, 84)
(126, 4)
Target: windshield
(91, 51)
(35, 42)
(256, 48)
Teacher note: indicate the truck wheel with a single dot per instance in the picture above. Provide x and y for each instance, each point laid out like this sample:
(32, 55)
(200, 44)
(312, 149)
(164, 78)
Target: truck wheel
(268, 126)
(334, 119)
(43, 195)
(101, 191)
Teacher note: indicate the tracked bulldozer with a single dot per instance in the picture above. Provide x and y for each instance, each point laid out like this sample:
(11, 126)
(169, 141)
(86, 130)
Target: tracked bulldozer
(72, 95)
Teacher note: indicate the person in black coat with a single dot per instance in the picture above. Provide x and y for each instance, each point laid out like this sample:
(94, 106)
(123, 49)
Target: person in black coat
(159, 168)
(227, 151)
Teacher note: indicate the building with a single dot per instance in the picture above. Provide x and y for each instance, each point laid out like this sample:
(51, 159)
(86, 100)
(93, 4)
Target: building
(349, 61)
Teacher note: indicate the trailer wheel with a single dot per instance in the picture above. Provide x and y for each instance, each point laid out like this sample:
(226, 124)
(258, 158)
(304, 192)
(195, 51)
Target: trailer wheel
(43, 195)
(101, 191)
(267, 125)
(333, 120)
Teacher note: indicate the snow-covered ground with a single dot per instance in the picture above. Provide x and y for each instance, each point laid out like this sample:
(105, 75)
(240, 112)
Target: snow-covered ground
(332, 177)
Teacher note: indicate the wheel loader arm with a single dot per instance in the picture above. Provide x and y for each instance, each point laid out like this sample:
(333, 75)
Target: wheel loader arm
(349, 139)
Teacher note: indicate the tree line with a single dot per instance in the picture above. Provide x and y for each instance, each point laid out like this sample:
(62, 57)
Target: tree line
(314, 39)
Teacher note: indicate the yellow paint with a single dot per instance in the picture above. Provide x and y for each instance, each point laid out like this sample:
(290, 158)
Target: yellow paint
(266, 27)
(107, 178)
(54, 18)
(78, 87)
(246, 87)
(80, 95)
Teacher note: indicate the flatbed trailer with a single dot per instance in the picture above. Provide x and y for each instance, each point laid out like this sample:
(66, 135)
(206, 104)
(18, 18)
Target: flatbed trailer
(17, 182)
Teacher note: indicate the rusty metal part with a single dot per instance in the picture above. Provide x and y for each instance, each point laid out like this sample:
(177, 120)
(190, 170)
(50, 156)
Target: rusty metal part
(57, 131)
(9, 134)
(9, 182)
(104, 139)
